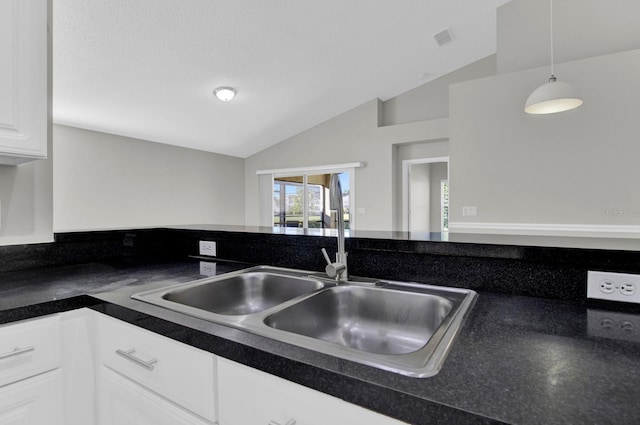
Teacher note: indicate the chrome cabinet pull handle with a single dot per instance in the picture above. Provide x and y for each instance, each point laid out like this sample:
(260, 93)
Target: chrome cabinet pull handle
(289, 422)
(129, 356)
(16, 352)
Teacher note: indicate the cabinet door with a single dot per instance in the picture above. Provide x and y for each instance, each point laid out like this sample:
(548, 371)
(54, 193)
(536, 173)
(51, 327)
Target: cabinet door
(122, 402)
(176, 371)
(33, 401)
(276, 401)
(77, 365)
(23, 81)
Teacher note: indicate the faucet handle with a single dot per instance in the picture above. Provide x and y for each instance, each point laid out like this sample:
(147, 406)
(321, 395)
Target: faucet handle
(326, 256)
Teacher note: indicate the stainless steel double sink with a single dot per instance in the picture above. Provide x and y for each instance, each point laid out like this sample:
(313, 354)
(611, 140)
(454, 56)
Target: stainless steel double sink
(401, 327)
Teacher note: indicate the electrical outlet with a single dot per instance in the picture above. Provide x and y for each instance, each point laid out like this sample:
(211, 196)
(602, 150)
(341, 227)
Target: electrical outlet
(627, 288)
(614, 325)
(208, 248)
(607, 286)
(613, 286)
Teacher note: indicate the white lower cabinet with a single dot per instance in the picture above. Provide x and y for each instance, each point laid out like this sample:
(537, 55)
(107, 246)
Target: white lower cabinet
(123, 402)
(30, 374)
(248, 396)
(33, 401)
(85, 368)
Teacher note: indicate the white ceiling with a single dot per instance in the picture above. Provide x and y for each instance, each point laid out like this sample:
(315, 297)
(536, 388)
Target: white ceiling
(147, 68)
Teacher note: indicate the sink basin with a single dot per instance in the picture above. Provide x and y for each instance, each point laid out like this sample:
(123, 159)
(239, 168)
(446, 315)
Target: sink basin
(367, 319)
(246, 293)
(406, 328)
(233, 297)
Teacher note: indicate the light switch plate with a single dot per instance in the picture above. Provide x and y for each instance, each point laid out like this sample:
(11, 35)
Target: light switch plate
(469, 211)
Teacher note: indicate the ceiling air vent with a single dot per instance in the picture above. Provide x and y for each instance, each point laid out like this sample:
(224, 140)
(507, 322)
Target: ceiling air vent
(443, 37)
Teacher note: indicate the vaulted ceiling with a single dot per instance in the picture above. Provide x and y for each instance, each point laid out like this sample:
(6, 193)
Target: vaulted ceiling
(147, 68)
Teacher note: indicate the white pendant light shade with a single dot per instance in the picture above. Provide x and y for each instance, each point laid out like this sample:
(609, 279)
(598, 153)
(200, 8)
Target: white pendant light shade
(554, 96)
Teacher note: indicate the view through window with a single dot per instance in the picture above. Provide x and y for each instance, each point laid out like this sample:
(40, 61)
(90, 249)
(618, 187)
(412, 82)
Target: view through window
(444, 205)
(303, 201)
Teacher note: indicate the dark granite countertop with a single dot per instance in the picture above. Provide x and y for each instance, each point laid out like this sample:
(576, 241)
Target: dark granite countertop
(517, 359)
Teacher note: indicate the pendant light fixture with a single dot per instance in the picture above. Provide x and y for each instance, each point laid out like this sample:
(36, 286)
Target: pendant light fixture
(554, 96)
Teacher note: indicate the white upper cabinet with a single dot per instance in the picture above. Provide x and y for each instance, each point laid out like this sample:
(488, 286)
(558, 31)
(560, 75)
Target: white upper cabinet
(23, 81)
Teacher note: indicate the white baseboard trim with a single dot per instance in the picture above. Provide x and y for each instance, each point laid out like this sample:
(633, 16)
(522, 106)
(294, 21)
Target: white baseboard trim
(543, 229)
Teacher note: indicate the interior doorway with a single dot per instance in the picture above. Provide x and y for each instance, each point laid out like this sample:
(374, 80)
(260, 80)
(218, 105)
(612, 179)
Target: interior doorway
(425, 195)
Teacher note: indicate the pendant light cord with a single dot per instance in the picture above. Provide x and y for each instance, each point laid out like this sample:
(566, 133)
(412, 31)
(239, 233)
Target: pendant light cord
(551, 38)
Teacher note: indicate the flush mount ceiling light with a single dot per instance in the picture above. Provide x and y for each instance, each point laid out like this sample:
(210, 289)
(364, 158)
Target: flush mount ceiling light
(554, 96)
(225, 94)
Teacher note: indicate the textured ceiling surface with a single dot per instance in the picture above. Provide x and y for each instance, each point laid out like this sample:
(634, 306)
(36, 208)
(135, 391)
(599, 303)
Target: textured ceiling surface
(147, 68)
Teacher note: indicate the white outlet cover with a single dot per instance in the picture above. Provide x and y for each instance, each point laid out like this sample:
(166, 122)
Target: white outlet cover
(208, 248)
(595, 279)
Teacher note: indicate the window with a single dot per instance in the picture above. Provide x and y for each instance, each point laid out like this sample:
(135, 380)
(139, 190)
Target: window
(303, 201)
(300, 198)
(444, 205)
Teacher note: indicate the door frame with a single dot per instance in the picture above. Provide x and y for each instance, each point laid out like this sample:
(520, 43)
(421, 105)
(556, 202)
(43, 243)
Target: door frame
(406, 178)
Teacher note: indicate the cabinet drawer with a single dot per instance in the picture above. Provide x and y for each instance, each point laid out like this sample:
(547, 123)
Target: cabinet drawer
(178, 372)
(275, 400)
(29, 348)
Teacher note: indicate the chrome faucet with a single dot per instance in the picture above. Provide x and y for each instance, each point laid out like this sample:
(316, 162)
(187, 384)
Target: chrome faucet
(337, 269)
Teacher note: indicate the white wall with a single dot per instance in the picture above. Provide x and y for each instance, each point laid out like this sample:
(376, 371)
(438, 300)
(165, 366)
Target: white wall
(568, 168)
(103, 181)
(582, 29)
(420, 185)
(351, 137)
(370, 133)
(431, 101)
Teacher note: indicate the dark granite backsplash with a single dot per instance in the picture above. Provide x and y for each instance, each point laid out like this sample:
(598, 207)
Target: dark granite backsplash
(523, 270)
(83, 247)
